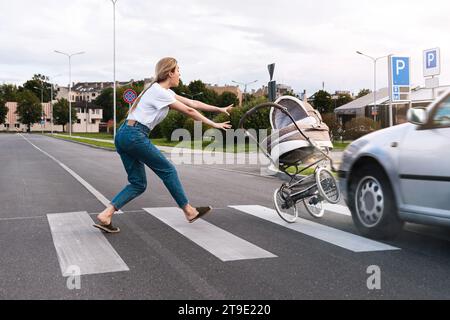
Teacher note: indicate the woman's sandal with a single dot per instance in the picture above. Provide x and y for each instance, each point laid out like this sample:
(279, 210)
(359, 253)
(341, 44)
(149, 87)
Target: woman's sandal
(201, 212)
(109, 228)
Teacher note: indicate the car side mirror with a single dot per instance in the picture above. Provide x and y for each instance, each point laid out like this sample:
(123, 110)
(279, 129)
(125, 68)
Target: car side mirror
(417, 116)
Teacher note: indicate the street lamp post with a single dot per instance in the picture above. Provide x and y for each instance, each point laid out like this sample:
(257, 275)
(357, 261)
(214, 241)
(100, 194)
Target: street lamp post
(245, 84)
(114, 63)
(192, 96)
(374, 79)
(70, 85)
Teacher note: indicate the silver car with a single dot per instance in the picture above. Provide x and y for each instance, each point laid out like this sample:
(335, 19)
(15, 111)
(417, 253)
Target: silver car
(401, 173)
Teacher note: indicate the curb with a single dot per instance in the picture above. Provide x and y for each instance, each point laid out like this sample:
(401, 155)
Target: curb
(84, 144)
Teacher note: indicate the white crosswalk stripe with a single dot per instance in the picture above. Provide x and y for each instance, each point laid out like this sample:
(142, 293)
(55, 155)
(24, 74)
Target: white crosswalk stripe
(336, 208)
(80, 245)
(220, 243)
(333, 236)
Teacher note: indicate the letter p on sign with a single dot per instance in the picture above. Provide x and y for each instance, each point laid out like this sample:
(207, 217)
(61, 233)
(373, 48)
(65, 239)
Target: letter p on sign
(431, 59)
(400, 66)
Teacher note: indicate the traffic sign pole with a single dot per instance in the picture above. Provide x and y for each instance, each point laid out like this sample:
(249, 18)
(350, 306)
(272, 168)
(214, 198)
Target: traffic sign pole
(432, 68)
(399, 83)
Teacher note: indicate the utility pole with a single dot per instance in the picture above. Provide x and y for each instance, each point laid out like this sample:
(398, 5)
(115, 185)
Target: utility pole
(375, 110)
(245, 84)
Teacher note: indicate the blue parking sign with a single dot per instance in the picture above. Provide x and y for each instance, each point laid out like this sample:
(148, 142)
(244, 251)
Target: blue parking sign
(431, 59)
(400, 71)
(431, 62)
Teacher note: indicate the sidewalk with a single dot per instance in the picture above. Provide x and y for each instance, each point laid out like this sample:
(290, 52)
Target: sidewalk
(241, 157)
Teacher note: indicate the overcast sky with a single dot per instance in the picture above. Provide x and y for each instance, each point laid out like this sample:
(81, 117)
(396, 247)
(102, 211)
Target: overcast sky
(219, 41)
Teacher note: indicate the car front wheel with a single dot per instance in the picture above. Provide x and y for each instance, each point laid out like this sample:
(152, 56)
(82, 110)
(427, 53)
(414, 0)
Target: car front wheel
(372, 203)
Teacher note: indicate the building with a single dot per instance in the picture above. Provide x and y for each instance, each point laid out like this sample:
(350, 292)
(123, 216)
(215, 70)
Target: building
(88, 120)
(363, 106)
(226, 88)
(282, 89)
(87, 91)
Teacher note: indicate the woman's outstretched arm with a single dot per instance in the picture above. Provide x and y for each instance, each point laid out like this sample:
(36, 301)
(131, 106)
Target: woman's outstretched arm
(198, 105)
(194, 114)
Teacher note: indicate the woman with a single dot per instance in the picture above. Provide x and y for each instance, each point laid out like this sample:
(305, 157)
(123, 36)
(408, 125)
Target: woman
(135, 149)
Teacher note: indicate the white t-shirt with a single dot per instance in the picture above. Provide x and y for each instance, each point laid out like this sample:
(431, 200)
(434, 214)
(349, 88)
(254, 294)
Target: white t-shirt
(153, 106)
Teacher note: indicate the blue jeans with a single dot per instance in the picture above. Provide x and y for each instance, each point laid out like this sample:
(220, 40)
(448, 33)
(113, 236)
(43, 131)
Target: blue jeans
(135, 150)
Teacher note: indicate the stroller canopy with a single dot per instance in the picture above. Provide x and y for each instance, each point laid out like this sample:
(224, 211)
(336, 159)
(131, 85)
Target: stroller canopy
(299, 110)
(286, 144)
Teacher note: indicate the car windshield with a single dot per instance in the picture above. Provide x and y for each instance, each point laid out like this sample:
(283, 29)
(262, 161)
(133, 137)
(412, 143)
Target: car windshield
(442, 116)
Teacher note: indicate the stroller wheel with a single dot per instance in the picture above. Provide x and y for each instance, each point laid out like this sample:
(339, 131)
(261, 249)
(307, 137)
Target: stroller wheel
(285, 206)
(314, 206)
(327, 185)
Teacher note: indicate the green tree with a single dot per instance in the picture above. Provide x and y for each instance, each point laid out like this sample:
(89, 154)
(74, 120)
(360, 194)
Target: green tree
(363, 92)
(3, 110)
(105, 101)
(333, 124)
(227, 98)
(29, 108)
(342, 100)
(8, 92)
(197, 86)
(61, 113)
(174, 120)
(182, 89)
(358, 127)
(36, 83)
(259, 120)
(323, 102)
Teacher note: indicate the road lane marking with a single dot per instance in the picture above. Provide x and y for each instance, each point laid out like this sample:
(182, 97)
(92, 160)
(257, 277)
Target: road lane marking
(334, 236)
(220, 243)
(83, 182)
(79, 244)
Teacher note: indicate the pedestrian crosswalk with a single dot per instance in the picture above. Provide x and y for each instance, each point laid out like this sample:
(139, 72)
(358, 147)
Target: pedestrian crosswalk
(333, 236)
(77, 243)
(223, 244)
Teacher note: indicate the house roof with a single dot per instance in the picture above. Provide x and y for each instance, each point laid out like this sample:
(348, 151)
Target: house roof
(418, 94)
(364, 101)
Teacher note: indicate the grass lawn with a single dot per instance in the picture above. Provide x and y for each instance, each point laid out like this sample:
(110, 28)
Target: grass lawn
(307, 172)
(100, 135)
(91, 142)
(196, 145)
(341, 145)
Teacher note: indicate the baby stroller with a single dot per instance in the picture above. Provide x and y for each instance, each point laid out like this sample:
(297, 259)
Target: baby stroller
(298, 144)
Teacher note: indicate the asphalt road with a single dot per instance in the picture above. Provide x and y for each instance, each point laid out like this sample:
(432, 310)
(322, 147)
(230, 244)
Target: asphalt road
(165, 262)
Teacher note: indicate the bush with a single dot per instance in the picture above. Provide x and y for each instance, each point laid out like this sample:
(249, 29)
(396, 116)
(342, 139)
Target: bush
(173, 121)
(334, 125)
(358, 127)
(259, 120)
(156, 132)
(189, 126)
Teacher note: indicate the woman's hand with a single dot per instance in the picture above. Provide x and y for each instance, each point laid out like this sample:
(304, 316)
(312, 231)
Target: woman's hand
(227, 110)
(223, 125)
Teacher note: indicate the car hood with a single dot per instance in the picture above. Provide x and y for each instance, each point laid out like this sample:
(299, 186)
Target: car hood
(378, 140)
(388, 135)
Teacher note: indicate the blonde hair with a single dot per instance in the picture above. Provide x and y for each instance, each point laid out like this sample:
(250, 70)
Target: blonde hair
(162, 70)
